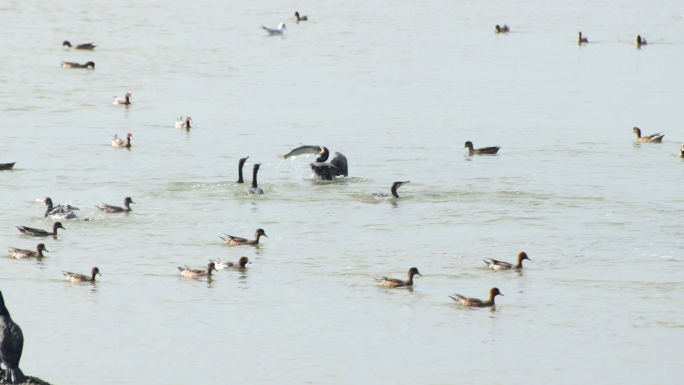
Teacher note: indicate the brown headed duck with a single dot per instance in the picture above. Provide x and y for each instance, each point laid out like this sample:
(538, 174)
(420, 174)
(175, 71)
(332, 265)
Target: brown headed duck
(125, 100)
(78, 46)
(180, 123)
(503, 29)
(477, 302)
(118, 142)
(188, 272)
(20, 254)
(393, 282)
(646, 139)
(231, 240)
(68, 64)
(74, 277)
(498, 265)
(117, 209)
(41, 233)
(481, 151)
(221, 264)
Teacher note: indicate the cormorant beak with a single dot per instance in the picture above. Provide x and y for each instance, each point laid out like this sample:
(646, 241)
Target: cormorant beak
(41, 200)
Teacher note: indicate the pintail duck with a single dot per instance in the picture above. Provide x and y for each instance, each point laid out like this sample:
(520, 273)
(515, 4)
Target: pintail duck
(650, 138)
(59, 211)
(393, 282)
(581, 39)
(7, 166)
(118, 142)
(117, 209)
(498, 265)
(681, 151)
(255, 189)
(221, 264)
(78, 46)
(477, 302)
(11, 346)
(240, 164)
(301, 18)
(125, 100)
(68, 64)
(481, 151)
(74, 277)
(275, 31)
(328, 170)
(188, 272)
(41, 233)
(20, 254)
(231, 240)
(640, 41)
(180, 123)
(503, 29)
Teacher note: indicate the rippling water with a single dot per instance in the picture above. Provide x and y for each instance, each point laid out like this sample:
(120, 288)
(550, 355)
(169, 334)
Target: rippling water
(397, 88)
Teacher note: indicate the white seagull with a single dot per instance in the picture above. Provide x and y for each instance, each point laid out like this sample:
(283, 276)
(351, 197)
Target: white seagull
(275, 31)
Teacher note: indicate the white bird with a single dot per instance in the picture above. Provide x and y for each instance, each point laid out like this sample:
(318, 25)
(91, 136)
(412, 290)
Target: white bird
(275, 31)
(118, 142)
(124, 100)
(180, 123)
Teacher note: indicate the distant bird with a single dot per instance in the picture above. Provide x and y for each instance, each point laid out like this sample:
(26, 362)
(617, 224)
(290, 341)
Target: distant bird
(581, 39)
(180, 123)
(681, 151)
(73, 277)
(241, 163)
(393, 189)
(481, 151)
(118, 142)
(393, 282)
(59, 211)
(78, 46)
(275, 31)
(640, 41)
(125, 100)
(498, 265)
(41, 233)
(234, 241)
(650, 138)
(21, 254)
(7, 166)
(328, 170)
(503, 29)
(221, 264)
(11, 346)
(301, 18)
(67, 64)
(477, 302)
(188, 272)
(117, 209)
(255, 189)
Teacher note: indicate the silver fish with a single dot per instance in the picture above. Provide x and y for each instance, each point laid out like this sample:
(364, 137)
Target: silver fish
(303, 150)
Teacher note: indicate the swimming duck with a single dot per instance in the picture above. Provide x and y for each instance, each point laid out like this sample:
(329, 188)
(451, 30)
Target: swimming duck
(275, 31)
(231, 240)
(20, 254)
(125, 100)
(240, 164)
(503, 29)
(7, 166)
(640, 41)
(11, 346)
(117, 209)
(59, 211)
(481, 151)
(255, 189)
(78, 46)
(67, 64)
(118, 142)
(301, 18)
(328, 170)
(73, 277)
(581, 39)
(180, 123)
(221, 264)
(498, 265)
(477, 302)
(681, 151)
(650, 138)
(41, 233)
(394, 188)
(188, 272)
(393, 282)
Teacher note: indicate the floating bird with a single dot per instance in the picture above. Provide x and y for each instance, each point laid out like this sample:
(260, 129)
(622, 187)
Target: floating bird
(303, 150)
(477, 302)
(255, 189)
(481, 151)
(125, 100)
(73, 277)
(221, 264)
(7, 166)
(67, 64)
(498, 265)
(328, 170)
(41, 233)
(301, 18)
(188, 272)
(180, 123)
(240, 164)
(394, 188)
(118, 142)
(231, 240)
(503, 29)
(640, 41)
(581, 39)
(11, 346)
(275, 31)
(650, 138)
(681, 151)
(117, 209)
(21, 254)
(78, 46)
(59, 211)
(393, 282)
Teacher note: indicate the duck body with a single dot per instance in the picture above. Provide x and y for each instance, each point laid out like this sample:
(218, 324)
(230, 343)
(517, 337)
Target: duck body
(221, 264)
(499, 265)
(180, 123)
(188, 272)
(504, 29)
(235, 241)
(74, 277)
(481, 151)
(41, 233)
(393, 282)
(89, 46)
(11, 346)
(581, 39)
(255, 189)
(21, 254)
(117, 209)
(125, 100)
(7, 166)
(118, 142)
(329, 170)
(59, 211)
(647, 139)
(276, 31)
(474, 302)
(301, 18)
(241, 164)
(67, 64)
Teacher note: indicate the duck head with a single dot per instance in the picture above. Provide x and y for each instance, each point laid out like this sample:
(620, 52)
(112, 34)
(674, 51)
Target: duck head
(95, 271)
(66, 43)
(211, 267)
(413, 271)
(128, 201)
(90, 64)
(468, 144)
(260, 232)
(243, 261)
(41, 247)
(494, 292)
(522, 255)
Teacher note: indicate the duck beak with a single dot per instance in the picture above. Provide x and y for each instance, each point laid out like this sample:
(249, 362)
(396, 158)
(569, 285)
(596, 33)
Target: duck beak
(501, 294)
(134, 203)
(46, 250)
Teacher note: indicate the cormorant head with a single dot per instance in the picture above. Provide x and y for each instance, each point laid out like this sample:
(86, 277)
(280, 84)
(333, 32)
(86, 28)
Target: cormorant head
(323, 155)
(256, 166)
(242, 161)
(396, 185)
(47, 201)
